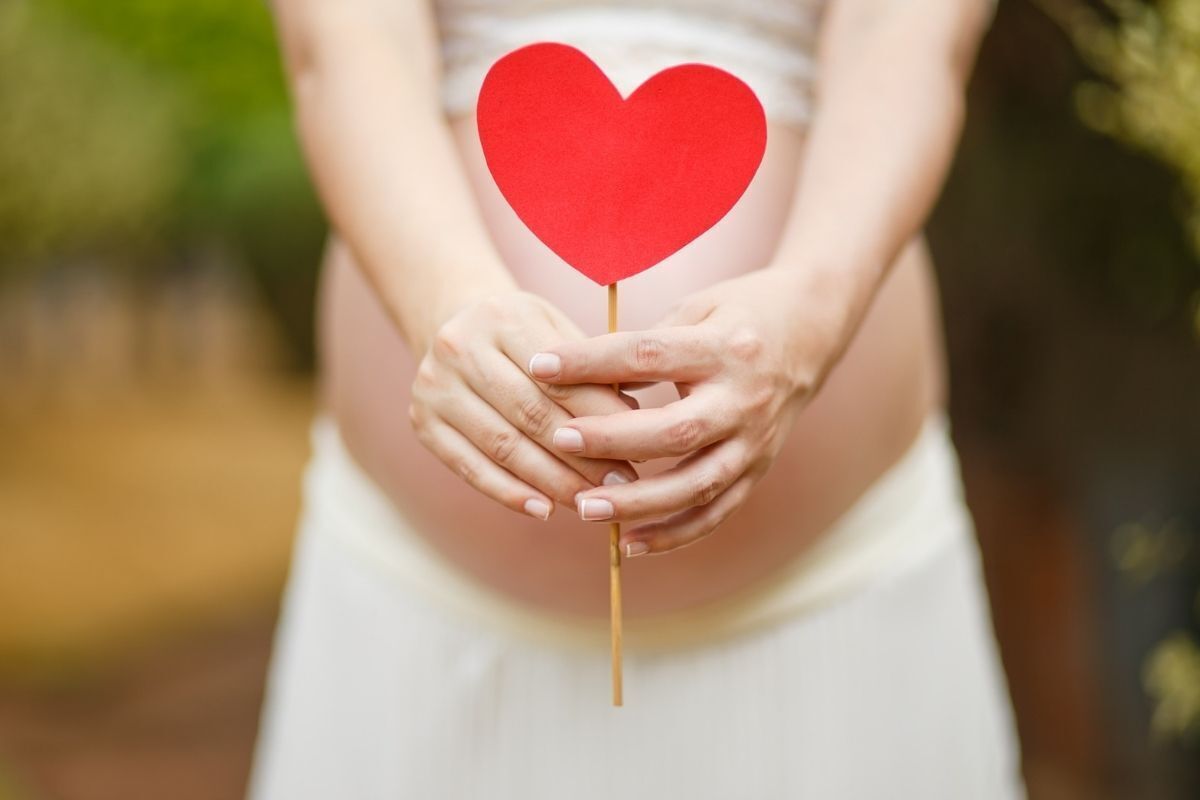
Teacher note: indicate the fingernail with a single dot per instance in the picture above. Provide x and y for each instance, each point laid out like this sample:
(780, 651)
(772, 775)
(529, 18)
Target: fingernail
(537, 508)
(636, 549)
(568, 440)
(614, 478)
(592, 508)
(544, 365)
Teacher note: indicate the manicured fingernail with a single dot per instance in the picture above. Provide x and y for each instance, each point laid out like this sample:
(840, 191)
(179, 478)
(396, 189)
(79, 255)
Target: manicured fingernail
(537, 508)
(568, 440)
(636, 549)
(592, 508)
(544, 365)
(615, 478)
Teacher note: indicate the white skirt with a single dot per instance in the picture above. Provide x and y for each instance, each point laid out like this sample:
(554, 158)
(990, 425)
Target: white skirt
(866, 670)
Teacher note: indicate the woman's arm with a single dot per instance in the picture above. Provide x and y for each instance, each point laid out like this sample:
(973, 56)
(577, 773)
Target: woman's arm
(749, 352)
(890, 97)
(364, 75)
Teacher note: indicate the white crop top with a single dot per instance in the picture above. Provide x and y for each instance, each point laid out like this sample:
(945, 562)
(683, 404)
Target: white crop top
(767, 43)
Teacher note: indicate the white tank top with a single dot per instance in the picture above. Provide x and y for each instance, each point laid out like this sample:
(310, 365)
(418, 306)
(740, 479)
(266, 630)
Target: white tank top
(769, 44)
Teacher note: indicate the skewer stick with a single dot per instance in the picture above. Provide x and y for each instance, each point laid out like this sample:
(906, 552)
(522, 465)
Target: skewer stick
(614, 547)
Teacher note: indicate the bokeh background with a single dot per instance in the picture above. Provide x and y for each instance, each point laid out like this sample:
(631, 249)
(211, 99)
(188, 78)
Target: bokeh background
(158, 251)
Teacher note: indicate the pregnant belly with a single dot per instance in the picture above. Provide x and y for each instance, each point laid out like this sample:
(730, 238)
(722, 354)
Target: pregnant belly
(869, 411)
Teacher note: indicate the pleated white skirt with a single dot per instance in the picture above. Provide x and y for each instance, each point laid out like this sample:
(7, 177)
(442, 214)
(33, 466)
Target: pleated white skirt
(378, 689)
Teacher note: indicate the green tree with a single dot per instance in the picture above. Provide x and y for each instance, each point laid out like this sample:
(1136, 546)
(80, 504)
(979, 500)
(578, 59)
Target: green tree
(89, 152)
(149, 129)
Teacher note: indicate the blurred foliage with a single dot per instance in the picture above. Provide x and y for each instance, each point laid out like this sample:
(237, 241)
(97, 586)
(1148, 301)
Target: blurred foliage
(219, 57)
(1149, 54)
(1172, 678)
(1171, 671)
(147, 130)
(88, 144)
(1143, 553)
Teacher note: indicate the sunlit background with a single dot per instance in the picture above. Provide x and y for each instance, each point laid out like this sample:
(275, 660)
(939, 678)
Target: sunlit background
(158, 251)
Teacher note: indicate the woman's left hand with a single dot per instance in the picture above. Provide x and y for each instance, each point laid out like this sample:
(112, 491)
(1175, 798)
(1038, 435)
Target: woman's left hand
(745, 356)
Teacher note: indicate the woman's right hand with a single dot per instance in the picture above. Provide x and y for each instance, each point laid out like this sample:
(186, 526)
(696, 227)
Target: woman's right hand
(475, 407)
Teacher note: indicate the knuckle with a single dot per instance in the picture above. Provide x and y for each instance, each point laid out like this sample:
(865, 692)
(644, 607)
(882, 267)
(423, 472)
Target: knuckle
(726, 469)
(533, 415)
(467, 471)
(415, 417)
(705, 488)
(745, 344)
(683, 436)
(758, 400)
(508, 313)
(426, 377)
(502, 446)
(648, 354)
(806, 385)
(495, 306)
(559, 392)
(449, 343)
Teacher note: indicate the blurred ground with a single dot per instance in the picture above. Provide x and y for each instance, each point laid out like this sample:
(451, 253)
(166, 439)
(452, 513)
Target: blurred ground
(171, 722)
(122, 522)
(135, 634)
(149, 498)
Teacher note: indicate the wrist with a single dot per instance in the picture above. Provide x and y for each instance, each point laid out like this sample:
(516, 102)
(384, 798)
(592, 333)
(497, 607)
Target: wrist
(451, 292)
(822, 306)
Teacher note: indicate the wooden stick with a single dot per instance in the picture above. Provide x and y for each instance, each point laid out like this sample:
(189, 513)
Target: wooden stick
(614, 547)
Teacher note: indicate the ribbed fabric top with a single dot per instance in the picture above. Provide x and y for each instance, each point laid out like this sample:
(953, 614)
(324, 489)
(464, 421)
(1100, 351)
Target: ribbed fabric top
(767, 43)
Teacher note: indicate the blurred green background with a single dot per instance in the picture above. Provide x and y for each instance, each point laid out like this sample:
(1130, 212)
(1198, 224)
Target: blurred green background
(137, 134)
(158, 251)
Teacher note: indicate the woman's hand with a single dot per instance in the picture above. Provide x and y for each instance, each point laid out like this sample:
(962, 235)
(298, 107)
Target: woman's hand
(475, 407)
(745, 355)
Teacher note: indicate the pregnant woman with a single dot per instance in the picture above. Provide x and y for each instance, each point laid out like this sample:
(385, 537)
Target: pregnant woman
(804, 612)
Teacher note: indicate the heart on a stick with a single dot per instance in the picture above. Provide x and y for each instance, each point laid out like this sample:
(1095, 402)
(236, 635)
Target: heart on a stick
(614, 185)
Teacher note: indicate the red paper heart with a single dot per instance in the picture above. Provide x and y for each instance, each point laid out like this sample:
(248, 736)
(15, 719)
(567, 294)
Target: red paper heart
(615, 185)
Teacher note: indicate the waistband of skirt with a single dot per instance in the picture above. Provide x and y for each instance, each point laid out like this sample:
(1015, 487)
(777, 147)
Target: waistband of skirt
(912, 512)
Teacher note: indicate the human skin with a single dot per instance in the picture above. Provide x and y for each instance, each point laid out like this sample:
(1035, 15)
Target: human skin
(804, 341)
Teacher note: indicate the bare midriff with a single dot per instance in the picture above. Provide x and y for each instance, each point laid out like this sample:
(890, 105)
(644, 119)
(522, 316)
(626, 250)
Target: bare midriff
(866, 416)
